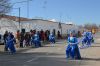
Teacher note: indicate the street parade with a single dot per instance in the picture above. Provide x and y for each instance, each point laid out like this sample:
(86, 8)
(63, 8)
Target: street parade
(34, 39)
(49, 33)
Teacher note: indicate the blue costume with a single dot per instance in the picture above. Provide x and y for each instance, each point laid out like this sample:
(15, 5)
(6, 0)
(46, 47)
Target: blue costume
(36, 40)
(90, 37)
(72, 49)
(52, 38)
(10, 44)
(87, 38)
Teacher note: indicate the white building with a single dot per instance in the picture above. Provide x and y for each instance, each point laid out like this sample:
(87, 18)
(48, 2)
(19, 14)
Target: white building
(39, 24)
(10, 23)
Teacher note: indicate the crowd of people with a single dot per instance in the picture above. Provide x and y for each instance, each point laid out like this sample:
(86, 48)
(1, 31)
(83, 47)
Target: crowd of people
(34, 39)
(25, 39)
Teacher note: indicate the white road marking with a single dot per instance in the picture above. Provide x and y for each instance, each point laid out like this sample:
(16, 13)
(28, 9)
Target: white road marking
(33, 59)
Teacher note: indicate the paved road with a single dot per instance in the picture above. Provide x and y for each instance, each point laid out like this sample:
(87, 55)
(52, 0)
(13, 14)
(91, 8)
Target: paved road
(52, 56)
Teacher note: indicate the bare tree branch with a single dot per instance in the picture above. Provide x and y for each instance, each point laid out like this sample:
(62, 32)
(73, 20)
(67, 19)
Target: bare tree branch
(4, 6)
(90, 26)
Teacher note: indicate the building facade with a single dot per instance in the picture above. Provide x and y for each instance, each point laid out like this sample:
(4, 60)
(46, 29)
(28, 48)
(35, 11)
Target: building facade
(40, 24)
(11, 23)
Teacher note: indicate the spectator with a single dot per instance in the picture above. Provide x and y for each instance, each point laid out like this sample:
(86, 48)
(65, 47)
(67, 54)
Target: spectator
(5, 37)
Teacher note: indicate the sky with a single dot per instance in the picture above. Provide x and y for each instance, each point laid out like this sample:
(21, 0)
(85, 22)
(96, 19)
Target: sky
(77, 11)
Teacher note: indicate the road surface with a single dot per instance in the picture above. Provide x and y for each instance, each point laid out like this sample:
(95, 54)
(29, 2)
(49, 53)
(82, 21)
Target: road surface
(51, 56)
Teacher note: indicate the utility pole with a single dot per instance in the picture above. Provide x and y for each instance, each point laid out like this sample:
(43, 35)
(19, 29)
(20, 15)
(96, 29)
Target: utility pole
(19, 20)
(27, 8)
(28, 12)
(60, 23)
(27, 1)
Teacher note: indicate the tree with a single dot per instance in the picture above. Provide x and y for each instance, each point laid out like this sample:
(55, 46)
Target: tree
(90, 26)
(4, 6)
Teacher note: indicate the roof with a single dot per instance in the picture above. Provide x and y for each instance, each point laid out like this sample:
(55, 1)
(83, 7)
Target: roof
(14, 18)
(52, 21)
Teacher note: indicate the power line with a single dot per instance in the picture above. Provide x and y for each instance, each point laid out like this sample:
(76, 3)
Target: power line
(27, 1)
(21, 2)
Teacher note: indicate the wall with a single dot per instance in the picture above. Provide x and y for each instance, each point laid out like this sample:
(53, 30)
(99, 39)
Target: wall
(7, 25)
(39, 24)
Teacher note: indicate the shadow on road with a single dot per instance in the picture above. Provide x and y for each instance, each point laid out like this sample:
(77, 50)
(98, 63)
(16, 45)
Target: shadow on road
(97, 43)
(37, 59)
(95, 46)
(91, 59)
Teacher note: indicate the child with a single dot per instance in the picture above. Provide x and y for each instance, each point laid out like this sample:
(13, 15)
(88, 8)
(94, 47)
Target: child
(52, 39)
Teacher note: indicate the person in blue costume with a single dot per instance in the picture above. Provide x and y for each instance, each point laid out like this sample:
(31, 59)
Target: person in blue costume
(72, 50)
(10, 40)
(90, 37)
(85, 38)
(36, 40)
(52, 39)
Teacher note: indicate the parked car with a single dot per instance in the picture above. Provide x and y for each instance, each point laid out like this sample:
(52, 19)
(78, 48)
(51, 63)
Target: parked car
(1, 40)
